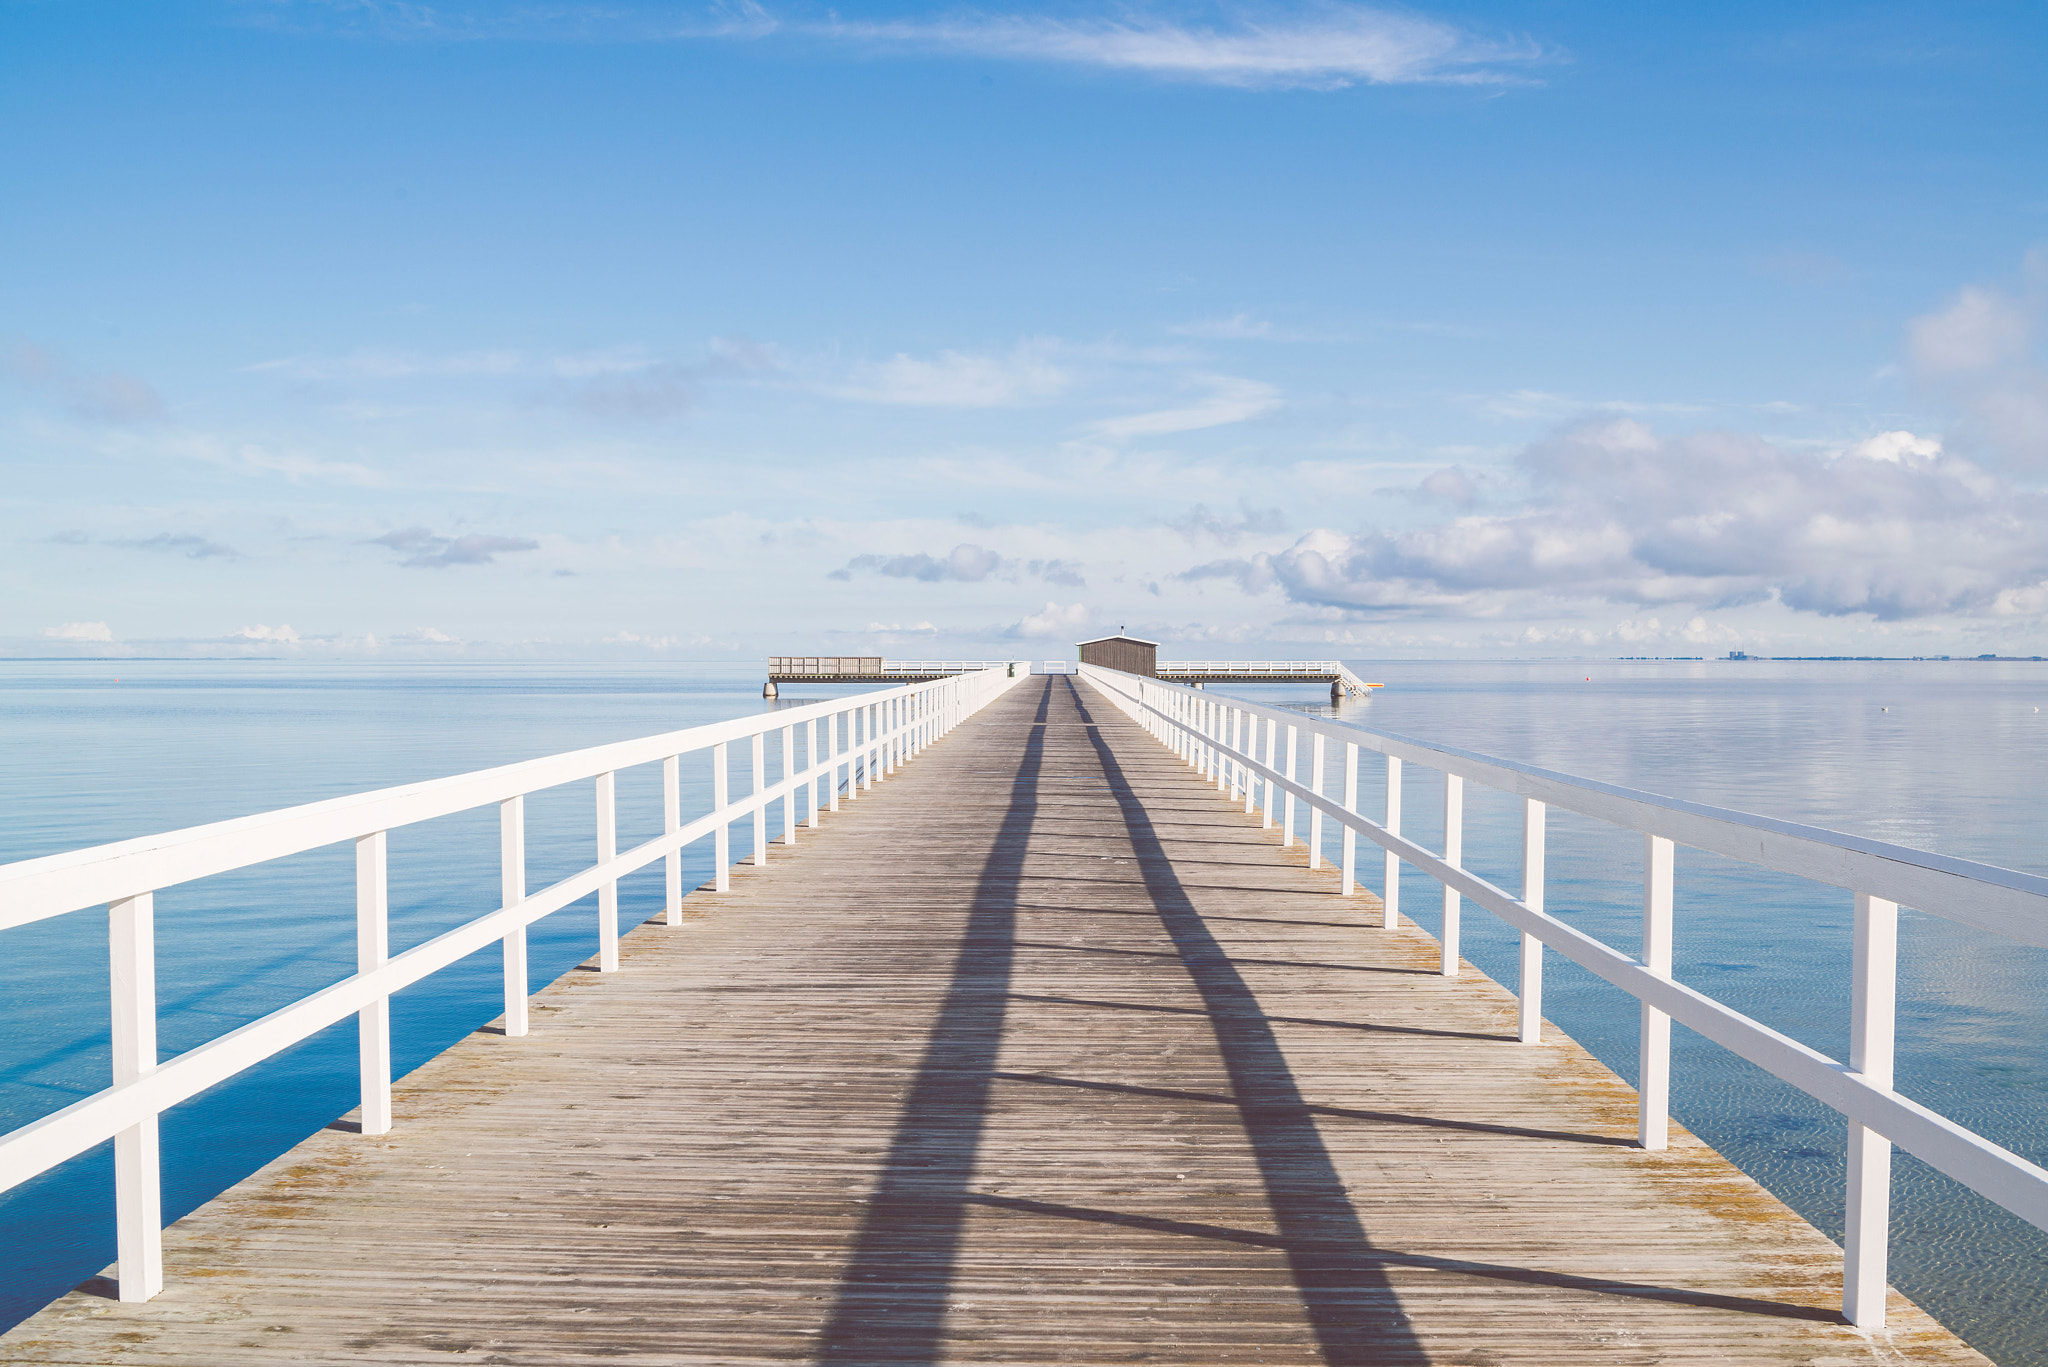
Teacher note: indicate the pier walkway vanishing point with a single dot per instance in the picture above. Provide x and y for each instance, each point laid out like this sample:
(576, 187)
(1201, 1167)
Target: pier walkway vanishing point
(1045, 1050)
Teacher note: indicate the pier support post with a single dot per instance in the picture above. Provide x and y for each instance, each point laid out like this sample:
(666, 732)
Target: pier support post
(138, 1180)
(768, 689)
(1873, 996)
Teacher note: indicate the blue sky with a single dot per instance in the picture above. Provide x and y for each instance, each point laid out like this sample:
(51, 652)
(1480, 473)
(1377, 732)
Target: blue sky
(342, 329)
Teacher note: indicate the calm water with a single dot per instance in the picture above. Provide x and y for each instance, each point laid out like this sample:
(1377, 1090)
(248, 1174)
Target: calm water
(1958, 763)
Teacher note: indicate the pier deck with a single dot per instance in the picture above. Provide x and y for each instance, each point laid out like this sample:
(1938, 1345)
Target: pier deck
(1038, 1052)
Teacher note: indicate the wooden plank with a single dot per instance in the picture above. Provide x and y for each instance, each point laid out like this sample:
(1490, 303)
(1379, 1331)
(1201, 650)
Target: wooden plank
(1038, 1052)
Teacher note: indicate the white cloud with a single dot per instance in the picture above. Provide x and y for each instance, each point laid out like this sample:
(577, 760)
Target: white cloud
(958, 379)
(628, 638)
(80, 631)
(1979, 329)
(1322, 46)
(432, 636)
(1229, 400)
(282, 635)
(1979, 351)
(1053, 621)
(1895, 527)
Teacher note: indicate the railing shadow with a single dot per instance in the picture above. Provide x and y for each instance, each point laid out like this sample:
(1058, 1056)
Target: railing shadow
(891, 1306)
(1351, 1307)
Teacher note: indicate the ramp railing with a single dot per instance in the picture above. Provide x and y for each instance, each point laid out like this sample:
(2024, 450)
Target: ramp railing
(1253, 753)
(864, 739)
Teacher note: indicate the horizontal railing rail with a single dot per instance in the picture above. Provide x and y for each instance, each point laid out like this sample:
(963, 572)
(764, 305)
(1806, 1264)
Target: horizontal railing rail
(1254, 666)
(1221, 738)
(865, 739)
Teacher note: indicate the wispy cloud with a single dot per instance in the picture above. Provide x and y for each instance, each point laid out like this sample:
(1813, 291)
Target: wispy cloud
(1229, 400)
(389, 365)
(104, 396)
(1242, 327)
(967, 564)
(1522, 404)
(1028, 373)
(80, 631)
(187, 544)
(1320, 46)
(424, 550)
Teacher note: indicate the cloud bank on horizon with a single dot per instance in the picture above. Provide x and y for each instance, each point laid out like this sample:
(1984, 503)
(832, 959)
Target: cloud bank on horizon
(1267, 327)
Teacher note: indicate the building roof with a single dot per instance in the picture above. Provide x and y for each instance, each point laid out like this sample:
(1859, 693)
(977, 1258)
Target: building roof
(1118, 637)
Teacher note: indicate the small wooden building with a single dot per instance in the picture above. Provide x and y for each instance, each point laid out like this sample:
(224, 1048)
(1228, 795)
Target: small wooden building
(1126, 653)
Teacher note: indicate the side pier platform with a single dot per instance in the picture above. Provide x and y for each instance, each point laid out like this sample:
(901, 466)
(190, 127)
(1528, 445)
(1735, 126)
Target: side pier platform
(1039, 1052)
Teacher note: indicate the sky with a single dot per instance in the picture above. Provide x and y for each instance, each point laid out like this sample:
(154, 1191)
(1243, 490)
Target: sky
(710, 331)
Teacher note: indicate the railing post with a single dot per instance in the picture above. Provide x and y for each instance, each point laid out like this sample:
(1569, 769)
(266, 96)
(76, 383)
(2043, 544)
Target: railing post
(1454, 853)
(789, 785)
(838, 738)
(820, 778)
(758, 769)
(1350, 805)
(1873, 994)
(1272, 744)
(1219, 734)
(1530, 987)
(1248, 736)
(1390, 886)
(512, 891)
(1653, 1092)
(1315, 814)
(671, 822)
(608, 890)
(138, 1176)
(373, 948)
(868, 747)
(1287, 833)
(721, 841)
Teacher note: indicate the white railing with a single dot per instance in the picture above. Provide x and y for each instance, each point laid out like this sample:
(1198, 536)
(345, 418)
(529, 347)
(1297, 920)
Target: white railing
(943, 666)
(1056, 667)
(1264, 669)
(1252, 752)
(865, 739)
(1252, 666)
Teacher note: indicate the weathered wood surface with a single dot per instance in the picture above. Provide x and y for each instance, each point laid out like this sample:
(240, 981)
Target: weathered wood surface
(1039, 1052)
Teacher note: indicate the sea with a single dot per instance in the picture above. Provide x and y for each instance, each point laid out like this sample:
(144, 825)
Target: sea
(1948, 756)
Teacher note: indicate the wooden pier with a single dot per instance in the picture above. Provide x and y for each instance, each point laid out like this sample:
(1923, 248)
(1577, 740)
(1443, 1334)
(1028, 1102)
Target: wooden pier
(1039, 1052)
